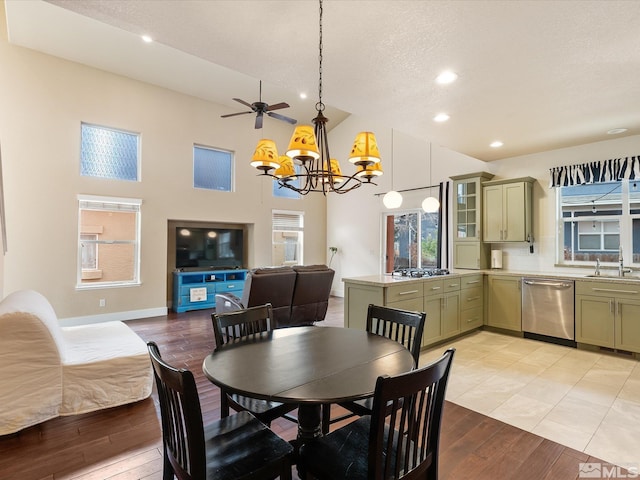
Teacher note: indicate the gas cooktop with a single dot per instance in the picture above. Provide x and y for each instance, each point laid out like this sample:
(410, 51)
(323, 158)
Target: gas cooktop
(420, 272)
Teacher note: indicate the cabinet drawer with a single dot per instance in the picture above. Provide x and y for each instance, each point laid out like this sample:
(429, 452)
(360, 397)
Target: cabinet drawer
(397, 293)
(471, 318)
(229, 286)
(614, 288)
(471, 281)
(433, 287)
(471, 298)
(451, 284)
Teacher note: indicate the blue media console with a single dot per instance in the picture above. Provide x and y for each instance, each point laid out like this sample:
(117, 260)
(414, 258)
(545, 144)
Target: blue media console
(197, 290)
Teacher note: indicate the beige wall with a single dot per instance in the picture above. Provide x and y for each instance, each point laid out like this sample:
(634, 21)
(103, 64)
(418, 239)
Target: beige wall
(44, 99)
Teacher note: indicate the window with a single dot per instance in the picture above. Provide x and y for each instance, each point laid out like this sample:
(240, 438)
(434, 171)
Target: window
(109, 153)
(597, 220)
(287, 238)
(411, 240)
(108, 241)
(212, 168)
(284, 192)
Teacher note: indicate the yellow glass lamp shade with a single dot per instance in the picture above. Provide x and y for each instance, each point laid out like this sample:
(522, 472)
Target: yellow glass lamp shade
(365, 149)
(265, 156)
(286, 169)
(336, 171)
(369, 171)
(303, 146)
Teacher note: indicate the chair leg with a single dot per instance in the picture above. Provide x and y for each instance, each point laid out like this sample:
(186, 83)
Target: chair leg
(286, 471)
(167, 469)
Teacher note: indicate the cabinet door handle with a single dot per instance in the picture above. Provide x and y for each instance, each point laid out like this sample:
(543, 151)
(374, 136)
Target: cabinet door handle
(474, 319)
(454, 285)
(610, 306)
(472, 282)
(611, 290)
(472, 299)
(505, 235)
(436, 288)
(409, 292)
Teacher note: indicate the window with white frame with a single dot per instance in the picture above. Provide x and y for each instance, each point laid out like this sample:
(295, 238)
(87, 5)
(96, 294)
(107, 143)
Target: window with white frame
(287, 238)
(109, 153)
(598, 221)
(412, 240)
(108, 241)
(212, 168)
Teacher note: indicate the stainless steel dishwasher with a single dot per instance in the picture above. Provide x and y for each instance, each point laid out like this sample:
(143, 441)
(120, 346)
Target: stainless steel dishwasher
(548, 310)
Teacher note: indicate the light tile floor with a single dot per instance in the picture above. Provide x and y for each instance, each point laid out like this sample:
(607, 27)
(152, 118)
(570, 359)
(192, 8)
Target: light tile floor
(588, 401)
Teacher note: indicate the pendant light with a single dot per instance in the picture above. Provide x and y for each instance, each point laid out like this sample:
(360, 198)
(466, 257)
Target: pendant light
(431, 203)
(392, 199)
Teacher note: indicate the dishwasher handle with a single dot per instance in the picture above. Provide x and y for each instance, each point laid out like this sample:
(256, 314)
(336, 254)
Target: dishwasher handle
(547, 283)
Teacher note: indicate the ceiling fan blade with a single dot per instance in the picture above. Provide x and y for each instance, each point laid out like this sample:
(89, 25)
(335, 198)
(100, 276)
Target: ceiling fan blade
(277, 106)
(243, 102)
(282, 117)
(234, 114)
(259, 121)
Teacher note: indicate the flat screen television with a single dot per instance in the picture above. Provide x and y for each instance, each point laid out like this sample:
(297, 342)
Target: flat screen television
(209, 248)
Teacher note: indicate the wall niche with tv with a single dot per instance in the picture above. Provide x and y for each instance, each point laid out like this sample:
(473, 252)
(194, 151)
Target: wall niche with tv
(199, 246)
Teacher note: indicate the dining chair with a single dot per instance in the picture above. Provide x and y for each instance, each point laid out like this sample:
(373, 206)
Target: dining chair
(236, 447)
(403, 326)
(397, 443)
(239, 323)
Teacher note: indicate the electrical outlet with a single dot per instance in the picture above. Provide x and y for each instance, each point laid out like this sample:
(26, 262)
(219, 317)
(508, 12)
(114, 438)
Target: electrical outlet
(103, 302)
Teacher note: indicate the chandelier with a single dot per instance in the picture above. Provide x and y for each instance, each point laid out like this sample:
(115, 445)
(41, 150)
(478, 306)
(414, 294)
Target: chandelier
(309, 149)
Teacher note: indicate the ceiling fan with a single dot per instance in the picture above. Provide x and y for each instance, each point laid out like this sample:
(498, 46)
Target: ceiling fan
(260, 108)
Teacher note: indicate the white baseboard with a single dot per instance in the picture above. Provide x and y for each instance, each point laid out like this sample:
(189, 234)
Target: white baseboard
(109, 317)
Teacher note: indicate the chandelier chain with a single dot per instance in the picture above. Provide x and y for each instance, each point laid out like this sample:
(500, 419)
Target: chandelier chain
(320, 105)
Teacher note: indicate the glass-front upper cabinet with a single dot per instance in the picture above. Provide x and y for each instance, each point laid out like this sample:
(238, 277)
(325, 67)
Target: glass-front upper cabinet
(466, 200)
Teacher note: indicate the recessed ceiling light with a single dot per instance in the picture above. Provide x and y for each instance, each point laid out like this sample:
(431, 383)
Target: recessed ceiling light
(441, 117)
(446, 77)
(303, 95)
(147, 39)
(615, 131)
(496, 144)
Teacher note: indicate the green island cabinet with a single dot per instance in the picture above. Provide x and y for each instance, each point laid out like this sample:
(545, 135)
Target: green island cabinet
(453, 303)
(608, 314)
(506, 210)
(469, 251)
(504, 302)
(197, 290)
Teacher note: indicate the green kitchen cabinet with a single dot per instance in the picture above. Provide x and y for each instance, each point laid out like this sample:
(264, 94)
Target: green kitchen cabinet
(506, 210)
(504, 302)
(468, 249)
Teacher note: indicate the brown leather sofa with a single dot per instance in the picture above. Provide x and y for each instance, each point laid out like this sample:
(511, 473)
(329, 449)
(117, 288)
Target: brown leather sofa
(299, 295)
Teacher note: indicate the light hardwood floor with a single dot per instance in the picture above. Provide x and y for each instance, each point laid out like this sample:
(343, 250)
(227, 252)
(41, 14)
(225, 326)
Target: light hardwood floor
(125, 443)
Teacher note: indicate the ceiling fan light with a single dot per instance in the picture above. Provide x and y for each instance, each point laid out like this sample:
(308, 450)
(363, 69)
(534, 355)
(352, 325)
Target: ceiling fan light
(392, 199)
(265, 157)
(430, 204)
(365, 149)
(303, 146)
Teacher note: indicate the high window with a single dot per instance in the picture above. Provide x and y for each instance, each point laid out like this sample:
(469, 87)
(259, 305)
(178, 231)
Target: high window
(109, 153)
(599, 221)
(212, 168)
(287, 239)
(411, 240)
(108, 241)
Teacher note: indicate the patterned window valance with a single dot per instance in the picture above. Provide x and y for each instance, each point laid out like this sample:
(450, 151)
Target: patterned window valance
(611, 170)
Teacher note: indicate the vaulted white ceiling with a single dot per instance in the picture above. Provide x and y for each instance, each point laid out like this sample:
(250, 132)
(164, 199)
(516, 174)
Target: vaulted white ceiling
(537, 75)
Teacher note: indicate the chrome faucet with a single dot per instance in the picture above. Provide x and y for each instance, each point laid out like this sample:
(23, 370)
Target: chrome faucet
(621, 269)
(597, 266)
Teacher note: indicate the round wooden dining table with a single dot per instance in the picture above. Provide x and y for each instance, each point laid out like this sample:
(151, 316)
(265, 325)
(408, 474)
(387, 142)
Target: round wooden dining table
(307, 366)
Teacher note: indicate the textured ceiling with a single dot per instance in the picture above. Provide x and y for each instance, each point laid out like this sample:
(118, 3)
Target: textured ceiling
(538, 75)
